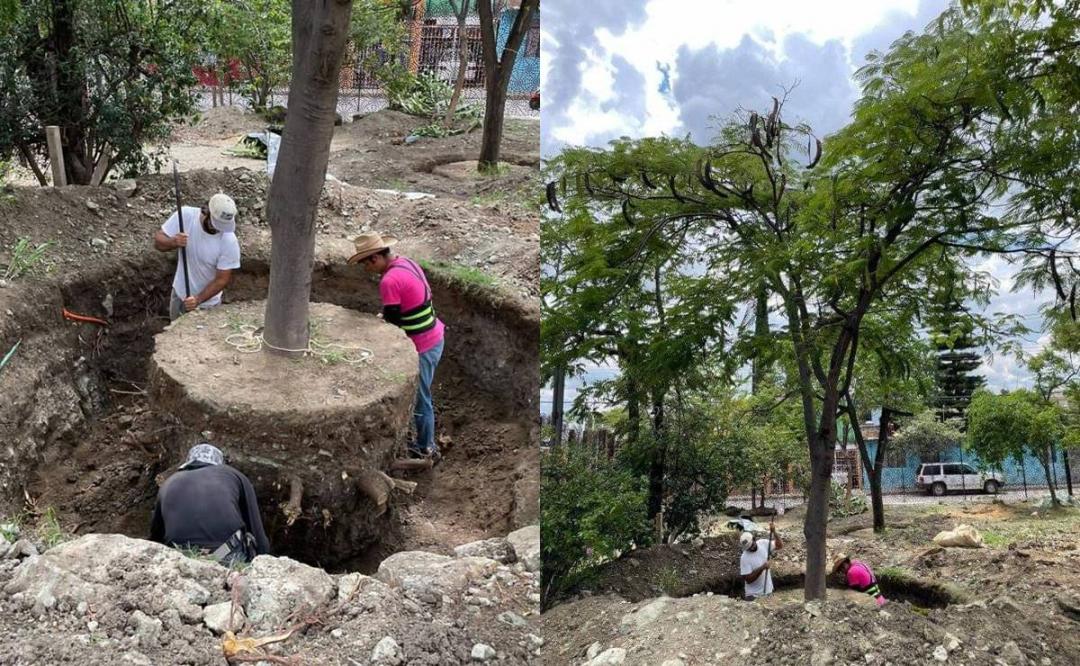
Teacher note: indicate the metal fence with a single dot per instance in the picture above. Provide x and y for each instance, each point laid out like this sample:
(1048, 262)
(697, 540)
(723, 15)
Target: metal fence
(432, 47)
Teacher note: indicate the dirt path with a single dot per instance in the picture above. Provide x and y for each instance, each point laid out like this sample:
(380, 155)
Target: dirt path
(371, 152)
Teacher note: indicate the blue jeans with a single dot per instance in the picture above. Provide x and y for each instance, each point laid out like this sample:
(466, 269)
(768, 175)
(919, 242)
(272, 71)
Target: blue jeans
(424, 411)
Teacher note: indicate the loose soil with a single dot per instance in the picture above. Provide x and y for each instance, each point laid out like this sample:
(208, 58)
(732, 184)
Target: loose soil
(371, 152)
(96, 443)
(1012, 602)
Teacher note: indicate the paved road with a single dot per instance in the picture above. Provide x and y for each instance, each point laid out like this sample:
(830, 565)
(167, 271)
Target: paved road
(913, 498)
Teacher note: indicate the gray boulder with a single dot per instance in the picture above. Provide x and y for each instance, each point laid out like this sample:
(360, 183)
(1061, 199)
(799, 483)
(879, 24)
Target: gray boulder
(107, 571)
(217, 617)
(526, 543)
(496, 549)
(278, 586)
(428, 577)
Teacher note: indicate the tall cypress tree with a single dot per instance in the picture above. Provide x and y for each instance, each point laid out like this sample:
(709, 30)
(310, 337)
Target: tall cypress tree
(958, 355)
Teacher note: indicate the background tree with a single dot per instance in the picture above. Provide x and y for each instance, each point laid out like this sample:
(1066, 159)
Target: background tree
(956, 351)
(891, 375)
(461, 9)
(912, 172)
(1014, 425)
(112, 75)
(380, 33)
(319, 33)
(926, 435)
(498, 68)
(254, 33)
(590, 510)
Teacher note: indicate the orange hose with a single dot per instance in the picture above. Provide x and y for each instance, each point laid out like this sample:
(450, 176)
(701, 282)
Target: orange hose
(83, 318)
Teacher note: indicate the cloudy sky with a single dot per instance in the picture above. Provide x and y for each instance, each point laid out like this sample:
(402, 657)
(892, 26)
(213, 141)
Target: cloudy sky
(611, 68)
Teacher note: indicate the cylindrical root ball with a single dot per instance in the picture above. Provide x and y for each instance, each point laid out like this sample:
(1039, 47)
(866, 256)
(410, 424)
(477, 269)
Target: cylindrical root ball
(311, 433)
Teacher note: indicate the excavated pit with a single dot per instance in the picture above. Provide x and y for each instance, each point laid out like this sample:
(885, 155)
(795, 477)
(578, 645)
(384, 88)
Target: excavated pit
(92, 428)
(314, 433)
(896, 588)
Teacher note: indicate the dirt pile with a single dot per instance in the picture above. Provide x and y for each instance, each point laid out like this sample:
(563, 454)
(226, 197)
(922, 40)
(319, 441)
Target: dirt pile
(710, 628)
(107, 599)
(1011, 603)
(218, 123)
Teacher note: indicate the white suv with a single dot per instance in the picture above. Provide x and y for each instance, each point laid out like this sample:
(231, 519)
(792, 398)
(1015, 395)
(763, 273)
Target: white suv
(939, 478)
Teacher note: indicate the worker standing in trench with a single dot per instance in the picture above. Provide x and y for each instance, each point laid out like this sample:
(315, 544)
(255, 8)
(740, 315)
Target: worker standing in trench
(754, 563)
(209, 253)
(406, 300)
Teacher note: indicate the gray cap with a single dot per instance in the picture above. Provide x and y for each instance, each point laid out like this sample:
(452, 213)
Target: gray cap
(204, 453)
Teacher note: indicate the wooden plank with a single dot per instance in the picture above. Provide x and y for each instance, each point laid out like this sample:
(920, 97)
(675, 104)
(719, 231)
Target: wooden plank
(102, 166)
(56, 156)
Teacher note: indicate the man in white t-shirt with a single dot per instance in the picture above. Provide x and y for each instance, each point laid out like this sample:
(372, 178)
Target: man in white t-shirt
(213, 253)
(754, 563)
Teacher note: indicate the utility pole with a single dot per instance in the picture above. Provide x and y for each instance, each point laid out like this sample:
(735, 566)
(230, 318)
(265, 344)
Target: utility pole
(557, 400)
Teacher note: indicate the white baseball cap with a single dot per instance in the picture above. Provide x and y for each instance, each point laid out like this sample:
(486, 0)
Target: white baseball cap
(223, 213)
(746, 540)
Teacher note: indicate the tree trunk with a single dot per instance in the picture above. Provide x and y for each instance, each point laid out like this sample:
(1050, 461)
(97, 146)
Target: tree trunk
(873, 467)
(491, 142)
(877, 503)
(817, 511)
(1043, 460)
(633, 411)
(463, 60)
(497, 72)
(761, 330)
(319, 32)
(656, 463)
(65, 71)
(558, 398)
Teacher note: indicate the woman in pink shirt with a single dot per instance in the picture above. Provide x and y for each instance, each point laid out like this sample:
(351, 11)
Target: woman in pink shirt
(858, 576)
(406, 299)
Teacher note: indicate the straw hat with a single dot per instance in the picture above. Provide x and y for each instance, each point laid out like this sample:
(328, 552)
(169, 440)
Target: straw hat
(840, 559)
(369, 243)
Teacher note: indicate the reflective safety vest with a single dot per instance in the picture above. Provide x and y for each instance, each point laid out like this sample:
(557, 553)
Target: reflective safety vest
(420, 319)
(873, 590)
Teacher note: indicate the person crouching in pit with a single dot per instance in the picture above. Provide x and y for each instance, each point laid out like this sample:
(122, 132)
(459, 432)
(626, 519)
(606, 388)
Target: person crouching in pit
(211, 508)
(858, 576)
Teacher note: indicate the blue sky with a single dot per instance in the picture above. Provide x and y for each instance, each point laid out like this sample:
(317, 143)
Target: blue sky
(637, 68)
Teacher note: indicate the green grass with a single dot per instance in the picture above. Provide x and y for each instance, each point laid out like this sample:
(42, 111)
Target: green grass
(394, 184)
(497, 171)
(49, 529)
(464, 275)
(332, 357)
(669, 580)
(395, 377)
(202, 556)
(995, 540)
(489, 198)
(236, 323)
(26, 258)
(10, 527)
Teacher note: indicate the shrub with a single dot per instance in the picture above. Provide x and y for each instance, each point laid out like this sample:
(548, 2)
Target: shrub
(840, 504)
(590, 511)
